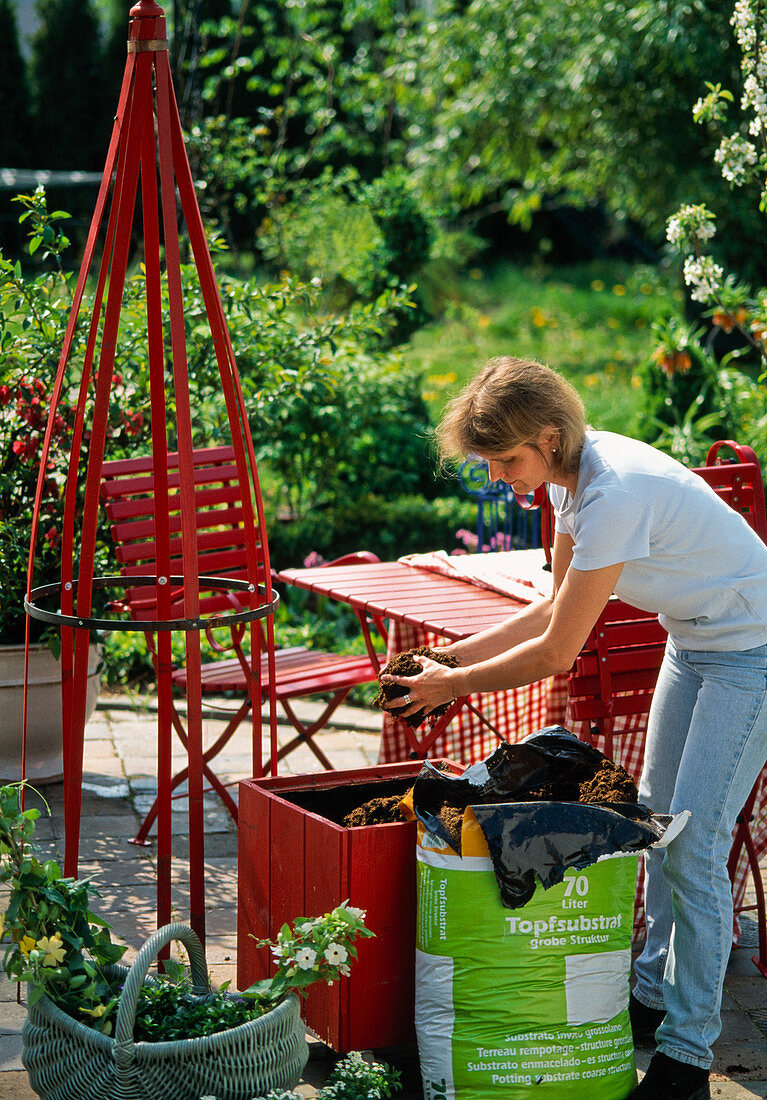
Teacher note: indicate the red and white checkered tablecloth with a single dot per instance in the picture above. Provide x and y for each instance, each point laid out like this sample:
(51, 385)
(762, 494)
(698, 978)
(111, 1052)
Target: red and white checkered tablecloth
(521, 711)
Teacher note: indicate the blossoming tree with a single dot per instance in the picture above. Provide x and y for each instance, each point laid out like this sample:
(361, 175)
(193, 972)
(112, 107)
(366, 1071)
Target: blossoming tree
(742, 158)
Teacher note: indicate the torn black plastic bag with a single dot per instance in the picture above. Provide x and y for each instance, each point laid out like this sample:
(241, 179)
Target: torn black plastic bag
(541, 840)
(551, 755)
(535, 840)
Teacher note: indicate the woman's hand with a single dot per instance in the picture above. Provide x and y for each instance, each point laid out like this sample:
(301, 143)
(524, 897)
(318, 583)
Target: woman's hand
(433, 686)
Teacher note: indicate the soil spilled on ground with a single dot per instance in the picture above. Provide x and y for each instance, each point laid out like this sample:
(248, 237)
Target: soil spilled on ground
(608, 782)
(402, 664)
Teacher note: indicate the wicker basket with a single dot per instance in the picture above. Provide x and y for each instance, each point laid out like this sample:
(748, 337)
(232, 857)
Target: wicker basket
(68, 1061)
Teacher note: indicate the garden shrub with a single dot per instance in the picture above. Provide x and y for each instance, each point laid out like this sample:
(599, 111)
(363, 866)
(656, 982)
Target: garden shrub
(360, 238)
(685, 408)
(320, 230)
(390, 527)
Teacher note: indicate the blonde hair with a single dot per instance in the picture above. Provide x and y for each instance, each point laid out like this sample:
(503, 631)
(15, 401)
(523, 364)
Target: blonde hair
(507, 404)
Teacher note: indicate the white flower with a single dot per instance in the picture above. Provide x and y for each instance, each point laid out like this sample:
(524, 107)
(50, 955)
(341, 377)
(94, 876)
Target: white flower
(735, 154)
(344, 970)
(755, 98)
(306, 958)
(744, 22)
(703, 276)
(336, 953)
(690, 221)
(360, 914)
(281, 951)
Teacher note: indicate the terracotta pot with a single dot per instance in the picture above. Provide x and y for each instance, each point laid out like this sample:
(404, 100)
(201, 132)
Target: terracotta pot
(44, 735)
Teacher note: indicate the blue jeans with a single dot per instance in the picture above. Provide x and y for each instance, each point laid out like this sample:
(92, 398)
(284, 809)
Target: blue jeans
(706, 744)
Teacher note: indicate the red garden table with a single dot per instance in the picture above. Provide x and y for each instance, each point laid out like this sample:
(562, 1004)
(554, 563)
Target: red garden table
(423, 606)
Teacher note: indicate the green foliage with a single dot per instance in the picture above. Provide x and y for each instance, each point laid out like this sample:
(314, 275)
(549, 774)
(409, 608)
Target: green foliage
(353, 1078)
(389, 526)
(290, 91)
(510, 103)
(33, 317)
(406, 232)
(167, 1012)
(57, 944)
(591, 321)
(329, 410)
(682, 395)
(690, 436)
(321, 231)
(317, 76)
(63, 949)
(359, 238)
(734, 305)
(313, 949)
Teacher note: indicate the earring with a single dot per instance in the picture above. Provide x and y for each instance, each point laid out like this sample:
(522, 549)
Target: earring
(554, 450)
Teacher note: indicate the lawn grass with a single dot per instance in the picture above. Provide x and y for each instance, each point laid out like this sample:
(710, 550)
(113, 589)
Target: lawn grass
(592, 322)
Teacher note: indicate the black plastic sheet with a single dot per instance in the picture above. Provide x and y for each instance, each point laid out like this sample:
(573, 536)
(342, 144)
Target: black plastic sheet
(535, 841)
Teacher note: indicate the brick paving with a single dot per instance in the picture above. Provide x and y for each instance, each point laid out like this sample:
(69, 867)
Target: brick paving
(118, 789)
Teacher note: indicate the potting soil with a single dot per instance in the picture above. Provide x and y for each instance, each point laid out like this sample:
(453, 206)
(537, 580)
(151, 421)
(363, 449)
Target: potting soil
(402, 664)
(604, 782)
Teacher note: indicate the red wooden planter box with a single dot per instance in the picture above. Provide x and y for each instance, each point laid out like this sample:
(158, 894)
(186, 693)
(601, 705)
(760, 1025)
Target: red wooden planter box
(294, 862)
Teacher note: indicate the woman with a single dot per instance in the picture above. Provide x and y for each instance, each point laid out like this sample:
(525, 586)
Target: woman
(633, 521)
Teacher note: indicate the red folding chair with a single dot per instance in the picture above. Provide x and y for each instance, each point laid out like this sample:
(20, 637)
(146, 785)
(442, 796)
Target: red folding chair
(127, 493)
(614, 676)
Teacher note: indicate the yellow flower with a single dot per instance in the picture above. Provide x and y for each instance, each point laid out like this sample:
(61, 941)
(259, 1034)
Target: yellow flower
(53, 949)
(483, 320)
(619, 289)
(597, 284)
(26, 945)
(99, 1010)
(538, 318)
(441, 380)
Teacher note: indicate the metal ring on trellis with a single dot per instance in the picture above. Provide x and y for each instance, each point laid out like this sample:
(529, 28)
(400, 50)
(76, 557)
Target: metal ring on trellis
(218, 584)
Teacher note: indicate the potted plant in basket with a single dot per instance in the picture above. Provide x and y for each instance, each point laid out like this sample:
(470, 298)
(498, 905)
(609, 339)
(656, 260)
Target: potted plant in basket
(33, 318)
(97, 1029)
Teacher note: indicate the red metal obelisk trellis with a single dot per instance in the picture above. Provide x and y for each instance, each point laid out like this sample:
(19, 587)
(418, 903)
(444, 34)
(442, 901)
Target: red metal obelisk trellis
(146, 156)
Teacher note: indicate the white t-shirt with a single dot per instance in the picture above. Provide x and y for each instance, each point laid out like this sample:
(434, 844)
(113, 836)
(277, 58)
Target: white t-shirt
(687, 554)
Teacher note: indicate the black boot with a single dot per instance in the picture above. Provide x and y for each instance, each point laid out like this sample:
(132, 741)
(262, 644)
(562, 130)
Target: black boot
(667, 1079)
(645, 1021)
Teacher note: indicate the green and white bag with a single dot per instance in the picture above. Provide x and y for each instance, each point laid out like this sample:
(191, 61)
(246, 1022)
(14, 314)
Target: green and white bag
(526, 1002)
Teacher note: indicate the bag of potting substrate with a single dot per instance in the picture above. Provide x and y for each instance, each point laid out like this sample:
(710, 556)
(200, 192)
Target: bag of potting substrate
(523, 942)
(532, 1001)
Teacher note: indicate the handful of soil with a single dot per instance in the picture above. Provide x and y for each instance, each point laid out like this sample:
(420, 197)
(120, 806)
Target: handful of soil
(402, 664)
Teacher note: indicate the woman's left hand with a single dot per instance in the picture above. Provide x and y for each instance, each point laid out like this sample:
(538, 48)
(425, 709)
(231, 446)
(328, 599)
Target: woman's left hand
(433, 686)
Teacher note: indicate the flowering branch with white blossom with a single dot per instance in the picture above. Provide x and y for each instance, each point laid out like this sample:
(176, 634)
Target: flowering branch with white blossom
(314, 949)
(743, 161)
